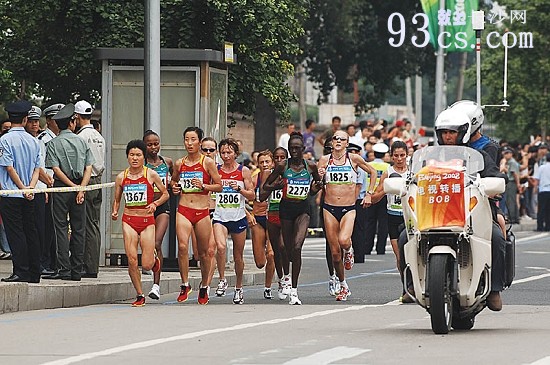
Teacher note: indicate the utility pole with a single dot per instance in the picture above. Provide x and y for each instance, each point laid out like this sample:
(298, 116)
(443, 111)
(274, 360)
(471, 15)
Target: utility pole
(439, 69)
(151, 84)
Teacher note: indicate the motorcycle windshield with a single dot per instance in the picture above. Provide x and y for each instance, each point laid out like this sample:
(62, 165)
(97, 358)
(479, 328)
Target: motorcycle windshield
(440, 176)
(461, 158)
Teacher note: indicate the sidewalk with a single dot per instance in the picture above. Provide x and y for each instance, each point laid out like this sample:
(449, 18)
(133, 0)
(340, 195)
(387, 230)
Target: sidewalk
(112, 285)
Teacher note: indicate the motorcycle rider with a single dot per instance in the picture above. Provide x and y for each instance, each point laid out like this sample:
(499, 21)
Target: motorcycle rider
(480, 142)
(453, 128)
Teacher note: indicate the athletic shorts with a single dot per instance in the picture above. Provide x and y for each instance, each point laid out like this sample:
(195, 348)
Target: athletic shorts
(193, 215)
(163, 209)
(291, 211)
(396, 223)
(138, 223)
(273, 218)
(261, 220)
(234, 226)
(337, 211)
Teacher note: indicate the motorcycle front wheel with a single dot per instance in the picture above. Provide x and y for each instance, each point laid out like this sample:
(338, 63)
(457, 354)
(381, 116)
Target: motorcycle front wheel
(439, 288)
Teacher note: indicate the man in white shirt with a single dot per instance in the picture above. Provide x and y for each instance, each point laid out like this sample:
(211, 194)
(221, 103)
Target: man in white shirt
(96, 142)
(283, 140)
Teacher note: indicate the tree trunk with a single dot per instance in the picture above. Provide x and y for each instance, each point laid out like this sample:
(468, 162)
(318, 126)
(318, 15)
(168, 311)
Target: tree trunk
(264, 124)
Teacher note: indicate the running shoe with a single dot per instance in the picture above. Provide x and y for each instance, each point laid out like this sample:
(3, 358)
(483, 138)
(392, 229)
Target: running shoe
(267, 293)
(155, 292)
(222, 287)
(287, 285)
(343, 294)
(348, 259)
(203, 295)
(294, 300)
(238, 298)
(156, 265)
(332, 281)
(140, 301)
(280, 291)
(184, 293)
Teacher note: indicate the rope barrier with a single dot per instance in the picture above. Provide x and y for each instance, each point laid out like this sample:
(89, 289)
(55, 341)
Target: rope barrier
(63, 189)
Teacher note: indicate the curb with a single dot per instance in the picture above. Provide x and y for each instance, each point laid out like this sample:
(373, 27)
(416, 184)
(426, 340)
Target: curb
(17, 297)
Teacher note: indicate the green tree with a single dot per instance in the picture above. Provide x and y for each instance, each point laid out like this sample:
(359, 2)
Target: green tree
(528, 74)
(48, 44)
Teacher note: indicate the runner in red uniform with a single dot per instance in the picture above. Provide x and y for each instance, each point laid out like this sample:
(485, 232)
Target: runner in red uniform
(138, 221)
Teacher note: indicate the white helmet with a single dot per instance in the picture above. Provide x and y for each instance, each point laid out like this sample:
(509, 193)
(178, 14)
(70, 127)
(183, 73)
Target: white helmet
(454, 120)
(474, 112)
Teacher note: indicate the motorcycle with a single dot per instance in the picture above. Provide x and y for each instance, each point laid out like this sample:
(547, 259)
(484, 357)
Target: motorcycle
(448, 224)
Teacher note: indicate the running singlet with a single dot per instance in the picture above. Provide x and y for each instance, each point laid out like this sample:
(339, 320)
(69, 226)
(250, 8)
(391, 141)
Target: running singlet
(296, 184)
(163, 172)
(340, 174)
(188, 173)
(229, 202)
(137, 193)
(395, 206)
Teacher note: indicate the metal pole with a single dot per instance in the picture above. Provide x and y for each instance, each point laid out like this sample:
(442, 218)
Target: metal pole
(152, 65)
(418, 100)
(439, 70)
(478, 67)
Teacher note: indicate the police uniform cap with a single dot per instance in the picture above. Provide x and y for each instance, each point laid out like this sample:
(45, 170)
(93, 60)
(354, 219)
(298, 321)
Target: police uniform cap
(52, 110)
(353, 147)
(380, 147)
(65, 113)
(19, 108)
(34, 113)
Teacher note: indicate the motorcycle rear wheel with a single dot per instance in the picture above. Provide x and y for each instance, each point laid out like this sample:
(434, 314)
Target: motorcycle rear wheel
(439, 287)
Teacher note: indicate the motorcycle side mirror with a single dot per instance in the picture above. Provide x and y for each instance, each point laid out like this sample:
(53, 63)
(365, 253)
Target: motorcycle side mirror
(394, 185)
(492, 185)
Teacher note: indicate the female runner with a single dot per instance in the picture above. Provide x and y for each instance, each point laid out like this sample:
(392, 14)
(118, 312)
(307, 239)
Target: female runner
(229, 215)
(138, 221)
(195, 176)
(261, 247)
(163, 167)
(297, 175)
(339, 170)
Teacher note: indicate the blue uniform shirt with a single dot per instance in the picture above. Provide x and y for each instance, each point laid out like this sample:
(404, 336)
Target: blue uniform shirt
(21, 151)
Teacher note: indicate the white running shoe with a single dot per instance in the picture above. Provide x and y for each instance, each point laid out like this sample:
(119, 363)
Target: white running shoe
(280, 291)
(267, 293)
(222, 287)
(348, 259)
(332, 281)
(343, 294)
(287, 285)
(294, 300)
(155, 292)
(238, 298)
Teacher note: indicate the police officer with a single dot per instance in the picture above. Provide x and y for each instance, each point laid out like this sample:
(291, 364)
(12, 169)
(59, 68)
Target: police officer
(96, 142)
(19, 169)
(44, 218)
(71, 161)
(377, 220)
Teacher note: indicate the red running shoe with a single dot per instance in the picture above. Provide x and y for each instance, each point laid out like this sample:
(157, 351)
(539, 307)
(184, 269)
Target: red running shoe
(348, 259)
(203, 296)
(184, 293)
(140, 301)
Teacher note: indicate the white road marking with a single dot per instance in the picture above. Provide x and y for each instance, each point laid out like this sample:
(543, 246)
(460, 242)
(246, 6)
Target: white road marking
(537, 252)
(543, 361)
(187, 336)
(531, 238)
(531, 278)
(328, 356)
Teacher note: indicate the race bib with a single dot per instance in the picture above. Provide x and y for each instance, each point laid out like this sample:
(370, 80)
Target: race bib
(276, 196)
(164, 178)
(339, 175)
(185, 181)
(135, 195)
(297, 189)
(228, 198)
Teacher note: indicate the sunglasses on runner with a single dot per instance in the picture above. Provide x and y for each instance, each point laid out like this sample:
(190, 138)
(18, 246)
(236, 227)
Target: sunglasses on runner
(208, 150)
(338, 138)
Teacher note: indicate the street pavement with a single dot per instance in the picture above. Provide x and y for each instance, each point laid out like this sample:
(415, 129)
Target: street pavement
(370, 328)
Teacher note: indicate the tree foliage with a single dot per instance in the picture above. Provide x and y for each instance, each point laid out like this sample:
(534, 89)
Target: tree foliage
(528, 74)
(348, 41)
(49, 43)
